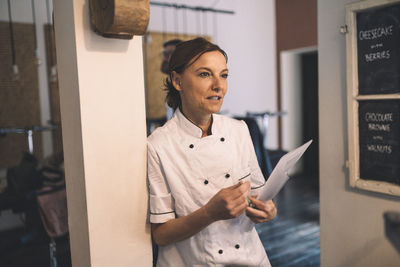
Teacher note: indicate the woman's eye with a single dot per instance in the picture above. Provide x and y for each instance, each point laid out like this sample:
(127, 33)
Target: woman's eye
(204, 74)
(225, 75)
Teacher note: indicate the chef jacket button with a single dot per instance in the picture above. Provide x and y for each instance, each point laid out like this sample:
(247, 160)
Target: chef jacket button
(191, 146)
(227, 175)
(237, 246)
(205, 181)
(222, 139)
(220, 251)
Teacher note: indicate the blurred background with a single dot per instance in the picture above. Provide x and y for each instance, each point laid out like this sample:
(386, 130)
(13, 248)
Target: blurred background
(273, 86)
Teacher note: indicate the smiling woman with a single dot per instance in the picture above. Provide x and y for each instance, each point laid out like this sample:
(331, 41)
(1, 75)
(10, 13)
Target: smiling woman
(202, 87)
(198, 80)
(202, 170)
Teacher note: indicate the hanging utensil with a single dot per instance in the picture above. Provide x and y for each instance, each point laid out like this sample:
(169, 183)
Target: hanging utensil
(15, 76)
(36, 53)
(52, 62)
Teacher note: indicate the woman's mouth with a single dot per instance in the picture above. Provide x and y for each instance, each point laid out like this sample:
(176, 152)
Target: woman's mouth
(214, 97)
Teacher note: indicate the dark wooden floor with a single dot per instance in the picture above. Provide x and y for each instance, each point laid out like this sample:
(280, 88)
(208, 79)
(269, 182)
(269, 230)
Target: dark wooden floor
(292, 238)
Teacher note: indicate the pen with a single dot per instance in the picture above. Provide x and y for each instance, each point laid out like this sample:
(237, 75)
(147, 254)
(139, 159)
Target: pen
(250, 203)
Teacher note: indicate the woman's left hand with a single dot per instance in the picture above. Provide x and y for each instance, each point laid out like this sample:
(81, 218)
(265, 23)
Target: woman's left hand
(262, 211)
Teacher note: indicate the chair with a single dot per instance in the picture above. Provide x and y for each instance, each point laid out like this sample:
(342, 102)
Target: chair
(52, 202)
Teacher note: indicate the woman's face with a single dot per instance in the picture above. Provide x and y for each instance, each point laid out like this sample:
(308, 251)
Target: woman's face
(203, 84)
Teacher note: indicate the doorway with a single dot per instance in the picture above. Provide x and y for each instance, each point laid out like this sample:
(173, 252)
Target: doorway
(299, 86)
(309, 74)
(293, 238)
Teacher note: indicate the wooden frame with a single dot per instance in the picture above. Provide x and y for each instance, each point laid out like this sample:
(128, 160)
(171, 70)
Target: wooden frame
(353, 99)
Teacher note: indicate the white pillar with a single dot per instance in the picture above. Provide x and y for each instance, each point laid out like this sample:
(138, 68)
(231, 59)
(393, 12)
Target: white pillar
(104, 135)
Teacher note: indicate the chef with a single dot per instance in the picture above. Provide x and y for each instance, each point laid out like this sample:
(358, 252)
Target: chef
(203, 171)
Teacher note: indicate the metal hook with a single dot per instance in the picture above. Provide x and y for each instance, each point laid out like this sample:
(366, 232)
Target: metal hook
(343, 29)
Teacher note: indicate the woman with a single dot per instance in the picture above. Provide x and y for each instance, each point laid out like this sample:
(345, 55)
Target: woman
(202, 170)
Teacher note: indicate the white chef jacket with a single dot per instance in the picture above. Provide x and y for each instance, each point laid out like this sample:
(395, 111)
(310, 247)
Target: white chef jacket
(185, 171)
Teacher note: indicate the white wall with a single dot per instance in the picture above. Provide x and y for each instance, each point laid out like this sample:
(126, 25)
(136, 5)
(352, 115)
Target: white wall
(292, 101)
(352, 226)
(104, 136)
(248, 37)
(22, 12)
(291, 86)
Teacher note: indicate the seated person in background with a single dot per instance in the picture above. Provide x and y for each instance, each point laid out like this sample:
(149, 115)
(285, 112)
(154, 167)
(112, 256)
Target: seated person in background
(203, 171)
(168, 49)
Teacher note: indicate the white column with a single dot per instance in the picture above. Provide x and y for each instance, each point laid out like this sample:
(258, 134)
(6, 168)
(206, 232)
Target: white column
(104, 135)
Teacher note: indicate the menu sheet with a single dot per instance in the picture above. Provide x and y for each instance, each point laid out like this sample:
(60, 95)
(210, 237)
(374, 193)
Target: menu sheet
(279, 175)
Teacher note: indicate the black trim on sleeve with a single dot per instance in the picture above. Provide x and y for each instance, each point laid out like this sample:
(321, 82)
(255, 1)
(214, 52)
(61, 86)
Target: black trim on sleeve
(252, 188)
(161, 213)
(244, 176)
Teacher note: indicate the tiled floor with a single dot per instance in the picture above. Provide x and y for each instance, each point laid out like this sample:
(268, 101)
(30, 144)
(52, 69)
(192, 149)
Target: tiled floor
(292, 238)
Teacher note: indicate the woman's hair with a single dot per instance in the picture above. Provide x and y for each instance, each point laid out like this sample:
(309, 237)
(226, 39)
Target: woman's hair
(185, 54)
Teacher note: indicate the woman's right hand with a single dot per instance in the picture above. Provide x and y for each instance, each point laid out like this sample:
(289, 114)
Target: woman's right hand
(229, 202)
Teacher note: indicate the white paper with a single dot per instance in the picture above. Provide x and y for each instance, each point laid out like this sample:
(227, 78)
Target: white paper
(279, 175)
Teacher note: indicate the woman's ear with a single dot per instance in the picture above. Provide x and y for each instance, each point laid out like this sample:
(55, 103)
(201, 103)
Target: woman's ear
(176, 80)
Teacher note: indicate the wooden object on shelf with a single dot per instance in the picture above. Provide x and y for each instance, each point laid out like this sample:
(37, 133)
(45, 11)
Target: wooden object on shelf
(119, 18)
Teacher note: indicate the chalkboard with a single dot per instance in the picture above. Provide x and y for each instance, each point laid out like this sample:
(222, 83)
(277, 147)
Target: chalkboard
(379, 139)
(378, 44)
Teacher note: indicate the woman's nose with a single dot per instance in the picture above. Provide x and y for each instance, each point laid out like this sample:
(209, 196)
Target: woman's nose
(218, 84)
(216, 88)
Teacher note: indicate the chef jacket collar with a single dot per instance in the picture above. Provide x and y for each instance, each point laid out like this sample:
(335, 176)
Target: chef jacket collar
(191, 128)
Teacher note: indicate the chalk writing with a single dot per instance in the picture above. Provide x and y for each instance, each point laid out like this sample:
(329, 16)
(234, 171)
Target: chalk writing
(380, 148)
(379, 127)
(378, 117)
(377, 56)
(378, 50)
(376, 33)
(379, 133)
(379, 122)
(374, 46)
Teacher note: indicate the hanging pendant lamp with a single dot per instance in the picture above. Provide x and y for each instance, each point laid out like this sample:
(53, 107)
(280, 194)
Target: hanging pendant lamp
(52, 63)
(164, 24)
(198, 23)
(176, 24)
(215, 29)
(205, 24)
(184, 18)
(36, 53)
(14, 62)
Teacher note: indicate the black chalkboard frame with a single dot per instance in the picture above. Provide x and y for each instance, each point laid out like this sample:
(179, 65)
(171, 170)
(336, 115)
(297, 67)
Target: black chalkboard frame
(354, 98)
